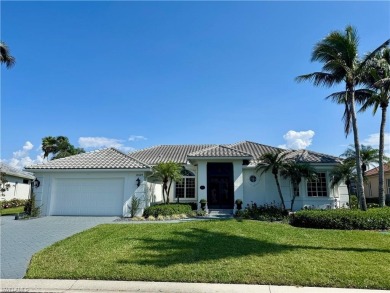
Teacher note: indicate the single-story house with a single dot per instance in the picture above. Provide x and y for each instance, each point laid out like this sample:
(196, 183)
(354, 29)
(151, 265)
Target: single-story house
(14, 183)
(102, 182)
(372, 183)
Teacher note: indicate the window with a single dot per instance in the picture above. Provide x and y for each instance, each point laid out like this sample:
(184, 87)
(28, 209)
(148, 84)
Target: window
(388, 186)
(317, 187)
(186, 187)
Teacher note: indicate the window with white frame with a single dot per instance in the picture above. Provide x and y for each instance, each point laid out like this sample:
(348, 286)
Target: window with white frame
(185, 188)
(317, 187)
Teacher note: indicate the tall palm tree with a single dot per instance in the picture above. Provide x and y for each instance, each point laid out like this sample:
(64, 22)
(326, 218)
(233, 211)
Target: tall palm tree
(338, 52)
(273, 162)
(296, 171)
(378, 79)
(6, 57)
(167, 173)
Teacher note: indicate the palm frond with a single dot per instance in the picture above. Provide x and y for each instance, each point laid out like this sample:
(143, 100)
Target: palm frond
(373, 53)
(5, 56)
(318, 78)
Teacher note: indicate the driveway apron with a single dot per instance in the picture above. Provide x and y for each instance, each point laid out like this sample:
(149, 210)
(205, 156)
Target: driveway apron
(20, 239)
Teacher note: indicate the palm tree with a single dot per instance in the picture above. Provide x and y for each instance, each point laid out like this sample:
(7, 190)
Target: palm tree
(344, 172)
(273, 162)
(368, 156)
(59, 147)
(6, 58)
(296, 171)
(49, 146)
(339, 54)
(167, 173)
(378, 79)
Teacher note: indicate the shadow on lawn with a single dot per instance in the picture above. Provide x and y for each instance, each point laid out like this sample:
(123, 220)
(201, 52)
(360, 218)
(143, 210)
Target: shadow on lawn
(200, 245)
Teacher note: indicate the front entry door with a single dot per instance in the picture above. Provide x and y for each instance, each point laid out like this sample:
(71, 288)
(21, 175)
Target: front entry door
(220, 186)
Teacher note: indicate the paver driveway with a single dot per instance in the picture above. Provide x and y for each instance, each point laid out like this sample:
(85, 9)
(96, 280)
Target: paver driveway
(21, 239)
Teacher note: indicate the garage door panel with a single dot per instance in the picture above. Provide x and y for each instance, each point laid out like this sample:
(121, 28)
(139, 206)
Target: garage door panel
(87, 196)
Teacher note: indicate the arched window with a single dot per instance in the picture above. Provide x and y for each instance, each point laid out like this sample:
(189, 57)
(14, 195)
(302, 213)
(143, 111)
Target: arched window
(186, 187)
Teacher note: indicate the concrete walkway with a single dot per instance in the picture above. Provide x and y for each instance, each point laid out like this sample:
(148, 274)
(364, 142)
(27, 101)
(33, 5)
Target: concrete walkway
(79, 286)
(23, 238)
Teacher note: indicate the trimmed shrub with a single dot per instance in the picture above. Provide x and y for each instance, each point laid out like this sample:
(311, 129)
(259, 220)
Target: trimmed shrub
(267, 212)
(353, 202)
(194, 205)
(343, 219)
(167, 210)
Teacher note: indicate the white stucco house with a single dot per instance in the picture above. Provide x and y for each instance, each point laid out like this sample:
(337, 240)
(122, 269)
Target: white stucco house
(102, 182)
(17, 183)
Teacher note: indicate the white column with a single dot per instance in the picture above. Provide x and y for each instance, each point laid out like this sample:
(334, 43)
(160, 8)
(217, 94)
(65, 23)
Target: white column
(202, 181)
(238, 180)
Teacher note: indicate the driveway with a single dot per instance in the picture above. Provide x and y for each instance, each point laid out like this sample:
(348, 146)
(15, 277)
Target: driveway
(23, 238)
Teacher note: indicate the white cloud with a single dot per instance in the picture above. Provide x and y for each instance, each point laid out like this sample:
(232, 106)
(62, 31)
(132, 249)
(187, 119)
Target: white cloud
(28, 146)
(99, 142)
(137, 137)
(21, 158)
(373, 140)
(297, 140)
(24, 151)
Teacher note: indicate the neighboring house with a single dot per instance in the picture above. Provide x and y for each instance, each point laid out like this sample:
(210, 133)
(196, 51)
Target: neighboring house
(101, 182)
(372, 183)
(17, 183)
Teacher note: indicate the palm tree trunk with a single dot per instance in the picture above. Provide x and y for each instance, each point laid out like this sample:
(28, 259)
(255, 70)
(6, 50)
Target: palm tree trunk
(360, 187)
(381, 173)
(294, 196)
(280, 191)
(164, 191)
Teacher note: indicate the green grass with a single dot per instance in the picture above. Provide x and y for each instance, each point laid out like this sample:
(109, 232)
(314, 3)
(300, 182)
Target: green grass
(11, 211)
(248, 252)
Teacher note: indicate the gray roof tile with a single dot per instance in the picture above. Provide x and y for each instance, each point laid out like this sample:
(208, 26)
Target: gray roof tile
(181, 153)
(219, 151)
(109, 158)
(306, 156)
(255, 149)
(167, 153)
(7, 169)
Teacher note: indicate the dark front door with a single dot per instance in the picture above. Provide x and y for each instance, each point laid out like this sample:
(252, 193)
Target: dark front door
(220, 186)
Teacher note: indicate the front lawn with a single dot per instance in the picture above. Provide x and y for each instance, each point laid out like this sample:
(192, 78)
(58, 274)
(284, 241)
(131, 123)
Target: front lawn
(230, 251)
(11, 211)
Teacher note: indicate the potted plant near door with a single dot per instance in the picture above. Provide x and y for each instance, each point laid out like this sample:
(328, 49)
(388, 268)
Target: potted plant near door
(203, 203)
(238, 204)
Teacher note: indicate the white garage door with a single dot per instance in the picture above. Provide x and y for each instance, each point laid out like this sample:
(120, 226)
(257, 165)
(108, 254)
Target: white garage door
(87, 197)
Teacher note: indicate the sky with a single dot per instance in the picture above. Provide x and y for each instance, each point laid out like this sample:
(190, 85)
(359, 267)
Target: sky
(132, 75)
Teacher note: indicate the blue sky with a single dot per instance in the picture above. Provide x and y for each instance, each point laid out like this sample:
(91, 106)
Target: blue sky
(137, 74)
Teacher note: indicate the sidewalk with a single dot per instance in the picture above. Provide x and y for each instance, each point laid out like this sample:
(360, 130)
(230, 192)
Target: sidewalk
(78, 286)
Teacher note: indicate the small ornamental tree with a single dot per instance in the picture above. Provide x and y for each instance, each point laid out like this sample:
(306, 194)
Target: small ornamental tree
(273, 162)
(296, 171)
(167, 173)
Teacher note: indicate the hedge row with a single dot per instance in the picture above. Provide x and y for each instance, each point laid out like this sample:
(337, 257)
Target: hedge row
(167, 210)
(345, 219)
(13, 203)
